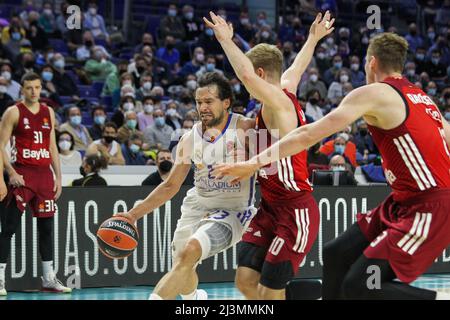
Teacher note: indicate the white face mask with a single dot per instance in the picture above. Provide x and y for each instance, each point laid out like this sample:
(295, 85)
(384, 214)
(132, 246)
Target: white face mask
(148, 108)
(171, 112)
(191, 84)
(147, 85)
(344, 78)
(126, 82)
(314, 77)
(6, 75)
(3, 89)
(64, 145)
(93, 11)
(338, 168)
(128, 106)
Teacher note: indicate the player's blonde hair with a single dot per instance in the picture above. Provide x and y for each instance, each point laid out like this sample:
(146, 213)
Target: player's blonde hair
(267, 57)
(390, 50)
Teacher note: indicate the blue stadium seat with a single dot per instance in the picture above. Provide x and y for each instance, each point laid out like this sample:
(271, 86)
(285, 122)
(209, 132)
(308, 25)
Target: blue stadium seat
(74, 76)
(87, 91)
(98, 87)
(65, 99)
(59, 45)
(86, 118)
(107, 102)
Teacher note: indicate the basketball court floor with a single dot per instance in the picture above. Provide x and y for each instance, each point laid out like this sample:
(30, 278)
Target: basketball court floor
(216, 291)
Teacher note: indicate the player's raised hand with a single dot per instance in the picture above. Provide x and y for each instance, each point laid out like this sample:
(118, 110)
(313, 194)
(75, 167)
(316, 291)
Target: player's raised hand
(222, 29)
(322, 26)
(3, 190)
(239, 171)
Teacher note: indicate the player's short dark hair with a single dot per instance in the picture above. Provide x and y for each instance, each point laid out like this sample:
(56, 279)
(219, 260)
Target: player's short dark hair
(222, 83)
(30, 76)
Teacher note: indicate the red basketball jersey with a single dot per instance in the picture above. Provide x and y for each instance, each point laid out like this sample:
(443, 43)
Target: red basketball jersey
(31, 137)
(291, 174)
(415, 154)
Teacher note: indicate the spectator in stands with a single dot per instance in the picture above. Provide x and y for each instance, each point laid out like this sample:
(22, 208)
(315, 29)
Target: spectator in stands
(240, 93)
(331, 48)
(341, 146)
(62, 18)
(169, 53)
(171, 25)
(67, 155)
(435, 68)
(261, 19)
(431, 36)
(173, 118)
(5, 99)
(366, 150)
(90, 169)
(98, 68)
(410, 72)
(288, 54)
(129, 127)
(265, 35)
(209, 43)
(192, 115)
(245, 28)
(420, 60)
(84, 52)
(313, 108)
(337, 163)
(16, 24)
(193, 26)
(48, 85)
(73, 125)
(12, 87)
(27, 65)
(145, 117)
(107, 146)
(191, 67)
(13, 45)
(357, 77)
(413, 38)
(335, 91)
(238, 107)
(132, 150)
(147, 40)
(47, 20)
(112, 82)
(431, 89)
(64, 84)
(331, 73)
(99, 118)
(210, 66)
(157, 96)
(164, 163)
(158, 134)
(443, 14)
(313, 83)
(146, 85)
(322, 61)
(35, 33)
(442, 46)
(95, 22)
(315, 157)
(424, 79)
(327, 5)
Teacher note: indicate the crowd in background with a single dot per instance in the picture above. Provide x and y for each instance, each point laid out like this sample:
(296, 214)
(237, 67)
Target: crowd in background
(129, 103)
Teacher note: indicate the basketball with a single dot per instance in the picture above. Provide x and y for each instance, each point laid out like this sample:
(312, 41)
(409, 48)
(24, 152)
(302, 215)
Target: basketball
(117, 238)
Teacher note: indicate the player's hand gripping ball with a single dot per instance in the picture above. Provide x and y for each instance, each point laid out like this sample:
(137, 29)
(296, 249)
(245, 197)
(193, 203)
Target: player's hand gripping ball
(117, 237)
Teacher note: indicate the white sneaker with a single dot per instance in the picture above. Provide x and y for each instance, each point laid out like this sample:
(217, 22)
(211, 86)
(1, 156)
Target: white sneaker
(54, 285)
(2, 288)
(202, 294)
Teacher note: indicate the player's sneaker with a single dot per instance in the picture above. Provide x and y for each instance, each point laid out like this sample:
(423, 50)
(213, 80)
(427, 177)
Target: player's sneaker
(2, 288)
(54, 285)
(201, 295)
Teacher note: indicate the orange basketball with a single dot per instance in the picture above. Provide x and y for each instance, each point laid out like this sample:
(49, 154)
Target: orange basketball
(117, 238)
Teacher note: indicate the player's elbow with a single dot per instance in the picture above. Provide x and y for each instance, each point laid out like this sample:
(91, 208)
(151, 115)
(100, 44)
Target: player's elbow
(247, 76)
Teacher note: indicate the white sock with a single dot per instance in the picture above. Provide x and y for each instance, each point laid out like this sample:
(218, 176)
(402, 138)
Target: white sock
(2, 271)
(48, 272)
(190, 296)
(154, 296)
(442, 295)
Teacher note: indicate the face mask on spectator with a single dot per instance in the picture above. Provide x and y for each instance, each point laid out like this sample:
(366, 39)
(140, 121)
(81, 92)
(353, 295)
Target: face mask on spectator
(160, 121)
(432, 91)
(261, 21)
(171, 112)
(338, 65)
(191, 84)
(165, 166)
(64, 145)
(48, 12)
(129, 82)
(411, 72)
(147, 86)
(99, 120)
(237, 88)
(355, 66)
(6, 75)
(16, 36)
(313, 101)
(108, 139)
(50, 56)
(338, 168)
(321, 55)
(148, 108)
(93, 11)
(128, 106)
(363, 132)
(59, 64)
(47, 76)
(330, 41)
(435, 61)
(189, 15)
(135, 148)
(343, 78)
(75, 120)
(3, 89)
(98, 55)
(431, 35)
(200, 57)
(365, 40)
(210, 67)
(209, 32)
(339, 148)
(420, 56)
(172, 12)
(131, 124)
(314, 77)
(245, 21)
(265, 34)
(447, 115)
(89, 43)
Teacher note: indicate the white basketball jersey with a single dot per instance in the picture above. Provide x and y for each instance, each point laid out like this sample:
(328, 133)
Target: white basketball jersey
(219, 193)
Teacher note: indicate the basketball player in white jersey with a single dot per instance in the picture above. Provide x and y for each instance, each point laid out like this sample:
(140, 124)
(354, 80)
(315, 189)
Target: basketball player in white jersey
(215, 213)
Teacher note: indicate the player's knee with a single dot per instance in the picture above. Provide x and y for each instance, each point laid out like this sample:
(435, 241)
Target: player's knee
(246, 284)
(189, 255)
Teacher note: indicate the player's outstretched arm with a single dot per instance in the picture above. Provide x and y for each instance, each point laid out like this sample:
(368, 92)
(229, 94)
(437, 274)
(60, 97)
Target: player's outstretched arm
(265, 92)
(358, 103)
(321, 27)
(167, 189)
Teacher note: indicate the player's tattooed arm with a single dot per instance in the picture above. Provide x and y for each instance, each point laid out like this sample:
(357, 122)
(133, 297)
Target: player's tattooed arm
(320, 28)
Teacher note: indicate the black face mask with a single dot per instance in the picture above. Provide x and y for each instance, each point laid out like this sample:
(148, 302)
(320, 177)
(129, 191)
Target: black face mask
(82, 171)
(165, 166)
(28, 64)
(363, 132)
(344, 38)
(89, 43)
(170, 46)
(140, 69)
(108, 139)
(313, 101)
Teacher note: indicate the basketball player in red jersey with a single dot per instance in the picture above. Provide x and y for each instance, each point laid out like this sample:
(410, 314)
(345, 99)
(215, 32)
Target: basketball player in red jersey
(30, 124)
(3, 189)
(404, 235)
(286, 225)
